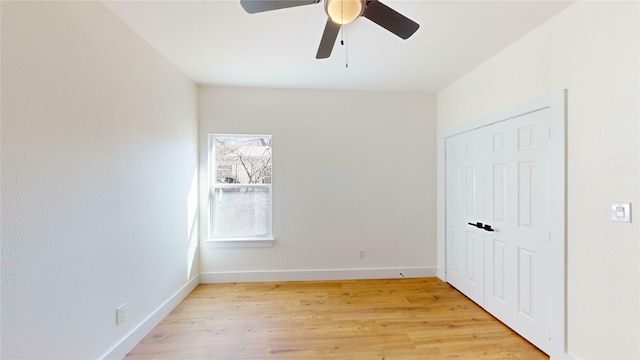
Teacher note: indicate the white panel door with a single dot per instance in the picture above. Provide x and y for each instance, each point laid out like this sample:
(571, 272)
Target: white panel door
(517, 209)
(498, 176)
(465, 245)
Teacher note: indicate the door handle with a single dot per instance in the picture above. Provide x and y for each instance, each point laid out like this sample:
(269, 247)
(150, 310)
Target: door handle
(485, 227)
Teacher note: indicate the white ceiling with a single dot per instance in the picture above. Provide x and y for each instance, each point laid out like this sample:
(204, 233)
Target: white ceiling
(216, 42)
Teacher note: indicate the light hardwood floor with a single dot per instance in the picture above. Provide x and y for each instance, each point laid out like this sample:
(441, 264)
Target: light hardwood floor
(400, 319)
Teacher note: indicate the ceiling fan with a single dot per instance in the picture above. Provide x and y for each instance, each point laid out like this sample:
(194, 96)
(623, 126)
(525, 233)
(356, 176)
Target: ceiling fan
(342, 12)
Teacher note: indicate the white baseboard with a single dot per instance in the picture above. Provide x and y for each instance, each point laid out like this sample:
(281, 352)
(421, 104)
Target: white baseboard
(563, 356)
(306, 275)
(441, 273)
(136, 335)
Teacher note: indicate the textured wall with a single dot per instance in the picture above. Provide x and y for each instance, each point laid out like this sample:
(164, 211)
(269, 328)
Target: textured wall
(351, 170)
(592, 49)
(98, 159)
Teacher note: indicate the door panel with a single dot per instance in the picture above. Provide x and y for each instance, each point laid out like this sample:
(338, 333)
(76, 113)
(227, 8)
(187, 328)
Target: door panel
(525, 283)
(525, 180)
(470, 195)
(498, 270)
(499, 191)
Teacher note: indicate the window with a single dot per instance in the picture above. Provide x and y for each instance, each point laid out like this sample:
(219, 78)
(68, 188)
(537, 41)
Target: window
(240, 187)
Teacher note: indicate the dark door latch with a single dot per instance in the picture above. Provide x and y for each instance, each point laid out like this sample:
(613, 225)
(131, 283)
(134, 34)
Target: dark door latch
(485, 227)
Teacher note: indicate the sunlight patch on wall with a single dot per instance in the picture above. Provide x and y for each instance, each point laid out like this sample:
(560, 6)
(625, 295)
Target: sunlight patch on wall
(192, 223)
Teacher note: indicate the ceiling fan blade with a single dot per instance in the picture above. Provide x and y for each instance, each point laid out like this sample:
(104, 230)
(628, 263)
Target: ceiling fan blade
(390, 19)
(329, 37)
(256, 6)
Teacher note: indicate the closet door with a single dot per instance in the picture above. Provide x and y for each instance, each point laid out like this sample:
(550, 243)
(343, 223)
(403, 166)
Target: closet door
(497, 221)
(517, 251)
(465, 154)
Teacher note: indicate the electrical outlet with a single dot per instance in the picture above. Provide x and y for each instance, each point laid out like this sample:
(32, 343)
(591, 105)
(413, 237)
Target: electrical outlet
(121, 314)
(360, 254)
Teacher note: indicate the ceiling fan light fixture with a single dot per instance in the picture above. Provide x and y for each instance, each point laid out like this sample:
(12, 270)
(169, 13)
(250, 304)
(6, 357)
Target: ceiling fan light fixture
(344, 11)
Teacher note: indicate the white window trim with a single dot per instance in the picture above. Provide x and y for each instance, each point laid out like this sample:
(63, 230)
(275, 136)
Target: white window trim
(241, 241)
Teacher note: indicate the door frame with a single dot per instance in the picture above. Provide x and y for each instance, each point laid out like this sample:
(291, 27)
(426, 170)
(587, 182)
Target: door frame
(556, 104)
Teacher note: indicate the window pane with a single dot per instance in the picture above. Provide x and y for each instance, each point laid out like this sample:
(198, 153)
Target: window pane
(245, 211)
(243, 159)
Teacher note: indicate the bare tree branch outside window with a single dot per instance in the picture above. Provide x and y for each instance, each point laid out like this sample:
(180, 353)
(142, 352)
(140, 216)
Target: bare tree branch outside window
(243, 160)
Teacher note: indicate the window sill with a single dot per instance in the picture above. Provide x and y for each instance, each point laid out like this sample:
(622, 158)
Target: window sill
(240, 242)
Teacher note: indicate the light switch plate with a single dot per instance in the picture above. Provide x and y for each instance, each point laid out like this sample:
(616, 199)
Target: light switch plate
(621, 212)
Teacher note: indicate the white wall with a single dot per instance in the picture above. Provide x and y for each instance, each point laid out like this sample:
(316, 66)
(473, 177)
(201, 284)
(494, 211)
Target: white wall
(591, 49)
(351, 170)
(99, 149)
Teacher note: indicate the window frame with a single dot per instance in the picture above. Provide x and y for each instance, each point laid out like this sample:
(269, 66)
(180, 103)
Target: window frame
(239, 240)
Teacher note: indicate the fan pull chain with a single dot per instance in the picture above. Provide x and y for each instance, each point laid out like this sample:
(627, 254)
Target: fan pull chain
(342, 36)
(346, 49)
(342, 33)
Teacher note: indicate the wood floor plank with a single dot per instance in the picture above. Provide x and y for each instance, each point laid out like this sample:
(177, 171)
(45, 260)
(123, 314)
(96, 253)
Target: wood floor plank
(401, 319)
